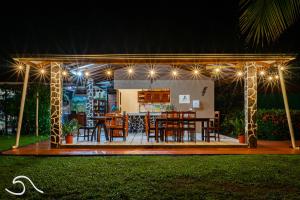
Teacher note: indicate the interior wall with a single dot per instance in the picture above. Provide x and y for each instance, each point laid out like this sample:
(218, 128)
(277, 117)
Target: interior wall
(202, 90)
(129, 100)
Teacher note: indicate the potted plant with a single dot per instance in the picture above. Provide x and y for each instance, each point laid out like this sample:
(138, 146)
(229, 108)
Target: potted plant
(68, 130)
(238, 129)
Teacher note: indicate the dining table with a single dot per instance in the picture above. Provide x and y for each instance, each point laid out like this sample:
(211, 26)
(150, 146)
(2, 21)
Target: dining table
(100, 123)
(204, 121)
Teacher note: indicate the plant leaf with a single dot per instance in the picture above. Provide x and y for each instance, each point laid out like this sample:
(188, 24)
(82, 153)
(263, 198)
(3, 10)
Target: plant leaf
(265, 20)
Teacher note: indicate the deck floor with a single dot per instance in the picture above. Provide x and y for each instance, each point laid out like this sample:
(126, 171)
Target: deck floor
(43, 149)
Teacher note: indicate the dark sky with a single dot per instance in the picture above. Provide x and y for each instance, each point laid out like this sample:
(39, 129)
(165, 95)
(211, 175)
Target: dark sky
(210, 26)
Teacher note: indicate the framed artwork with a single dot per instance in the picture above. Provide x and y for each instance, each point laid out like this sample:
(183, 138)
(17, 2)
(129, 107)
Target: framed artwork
(196, 103)
(184, 98)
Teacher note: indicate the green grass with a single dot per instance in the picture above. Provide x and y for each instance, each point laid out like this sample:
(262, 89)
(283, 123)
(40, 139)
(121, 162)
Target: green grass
(155, 177)
(6, 142)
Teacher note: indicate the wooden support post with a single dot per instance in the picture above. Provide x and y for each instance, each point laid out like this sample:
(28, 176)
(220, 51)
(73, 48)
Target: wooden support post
(22, 106)
(37, 115)
(286, 106)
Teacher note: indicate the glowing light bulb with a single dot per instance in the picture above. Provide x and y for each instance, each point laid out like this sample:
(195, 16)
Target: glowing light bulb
(196, 72)
(270, 78)
(262, 73)
(282, 68)
(276, 77)
(108, 72)
(86, 73)
(174, 73)
(130, 71)
(20, 67)
(42, 71)
(79, 73)
(152, 72)
(239, 73)
(64, 73)
(217, 70)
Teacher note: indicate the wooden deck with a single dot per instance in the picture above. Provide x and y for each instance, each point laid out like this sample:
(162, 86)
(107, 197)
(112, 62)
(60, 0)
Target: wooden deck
(43, 149)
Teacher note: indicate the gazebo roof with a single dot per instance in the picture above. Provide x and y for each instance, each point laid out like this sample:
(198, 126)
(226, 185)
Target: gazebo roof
(156, 58)
(98, 64)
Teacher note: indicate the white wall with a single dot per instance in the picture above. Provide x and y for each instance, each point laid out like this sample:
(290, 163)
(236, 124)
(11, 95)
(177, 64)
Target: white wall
(129, 100)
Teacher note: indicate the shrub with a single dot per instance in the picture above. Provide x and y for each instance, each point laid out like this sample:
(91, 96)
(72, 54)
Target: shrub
(272, 123)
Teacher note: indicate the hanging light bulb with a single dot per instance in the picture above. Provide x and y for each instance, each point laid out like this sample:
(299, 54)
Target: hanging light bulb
(42, 71)
(239, 74)
(109, 72)
(262, 73)
(64, 73)
(270, 78)
(152, 73)
(130, 71)
(174, 73)
(20, 67)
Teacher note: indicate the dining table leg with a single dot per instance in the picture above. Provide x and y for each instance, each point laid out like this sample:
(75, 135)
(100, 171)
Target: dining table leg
(98, 132)
(156, 130)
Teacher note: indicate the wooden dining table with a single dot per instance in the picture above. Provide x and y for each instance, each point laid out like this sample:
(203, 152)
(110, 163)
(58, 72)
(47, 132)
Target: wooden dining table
(100, 123)
(197, 119)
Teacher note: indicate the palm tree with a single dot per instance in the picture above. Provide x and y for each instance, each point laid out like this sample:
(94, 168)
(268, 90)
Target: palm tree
(263, 21)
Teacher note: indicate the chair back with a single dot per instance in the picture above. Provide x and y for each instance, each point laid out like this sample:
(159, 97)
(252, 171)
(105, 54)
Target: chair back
(171, 121)
(215, 122)
(147, 123)
(188, 115)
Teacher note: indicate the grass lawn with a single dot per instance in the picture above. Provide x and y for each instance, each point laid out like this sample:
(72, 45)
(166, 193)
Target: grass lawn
(6, 142)
(155, 177)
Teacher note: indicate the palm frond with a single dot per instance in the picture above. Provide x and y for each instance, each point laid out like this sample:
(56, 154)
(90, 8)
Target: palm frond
(263, 21)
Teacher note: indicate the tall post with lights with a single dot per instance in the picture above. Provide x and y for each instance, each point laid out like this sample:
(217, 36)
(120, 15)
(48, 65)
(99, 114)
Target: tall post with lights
(250, 92)
(286, 106)
(56, 103)
(90, 102)
(22, 105)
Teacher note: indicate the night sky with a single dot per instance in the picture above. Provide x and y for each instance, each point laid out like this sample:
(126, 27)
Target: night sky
(210, 27)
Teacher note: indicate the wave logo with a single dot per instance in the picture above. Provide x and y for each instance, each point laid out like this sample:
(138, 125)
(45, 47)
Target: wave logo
(16, 180)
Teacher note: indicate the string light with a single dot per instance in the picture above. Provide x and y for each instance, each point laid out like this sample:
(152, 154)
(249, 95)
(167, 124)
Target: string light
(20, 67)
(174, 73)
(196, 72)
(270, 78)
(276, 77)
(109, 72)
(217, 70)
(79, 73)
(42, 71)
(130, 71)
(282, 68)
(152, 73)
(64, 73)
(86, 74)
(239, 74)
(262, 73)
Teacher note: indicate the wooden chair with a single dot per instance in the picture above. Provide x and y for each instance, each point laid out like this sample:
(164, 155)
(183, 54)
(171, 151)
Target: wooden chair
(86, 132)
(149, 127)
(213, 131)
(172, 126)
(118, 127)
(188, 125)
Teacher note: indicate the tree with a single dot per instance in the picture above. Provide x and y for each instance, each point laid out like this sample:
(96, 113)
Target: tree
(263, 21)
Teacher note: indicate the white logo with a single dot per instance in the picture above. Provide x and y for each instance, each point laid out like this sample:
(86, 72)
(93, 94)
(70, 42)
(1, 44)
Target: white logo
(15, 180)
